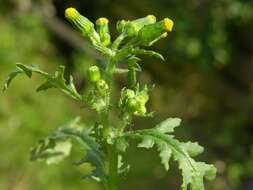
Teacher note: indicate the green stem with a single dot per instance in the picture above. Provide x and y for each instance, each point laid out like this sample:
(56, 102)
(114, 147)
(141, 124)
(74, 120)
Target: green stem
(112, 168)
(109, 71)
(111, 151)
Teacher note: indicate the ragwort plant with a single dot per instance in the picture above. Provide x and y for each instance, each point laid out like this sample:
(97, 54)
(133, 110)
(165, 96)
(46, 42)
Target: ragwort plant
(106, 141)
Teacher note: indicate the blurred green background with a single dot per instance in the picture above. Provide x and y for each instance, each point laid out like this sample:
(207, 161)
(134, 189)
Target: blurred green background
(207, 80)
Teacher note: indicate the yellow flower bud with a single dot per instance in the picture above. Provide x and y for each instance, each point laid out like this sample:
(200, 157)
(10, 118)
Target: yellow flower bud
(71, 13)
(82, 23)
(168, 24)
(103, 30)
(151, 33)
(102, 21)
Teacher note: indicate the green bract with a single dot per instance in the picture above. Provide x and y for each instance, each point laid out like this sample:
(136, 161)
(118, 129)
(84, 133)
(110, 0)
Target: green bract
(107, 139)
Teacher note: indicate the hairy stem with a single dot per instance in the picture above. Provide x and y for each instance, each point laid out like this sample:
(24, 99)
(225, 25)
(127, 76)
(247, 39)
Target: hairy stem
(112, 168)
(112, 155)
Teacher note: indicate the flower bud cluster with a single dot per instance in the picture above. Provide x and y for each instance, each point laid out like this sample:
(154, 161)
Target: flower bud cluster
(134, 102)
(94, 77)
(146, 30)
(100, 38)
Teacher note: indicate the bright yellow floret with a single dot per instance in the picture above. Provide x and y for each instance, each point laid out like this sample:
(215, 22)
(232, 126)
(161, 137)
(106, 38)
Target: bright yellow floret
(71, 13)
(168, 24)
(152, 18)
(102, 21)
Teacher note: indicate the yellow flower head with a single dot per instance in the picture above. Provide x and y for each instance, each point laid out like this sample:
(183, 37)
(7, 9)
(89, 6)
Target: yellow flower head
(102, 21)
(168, 24)
(71, 13)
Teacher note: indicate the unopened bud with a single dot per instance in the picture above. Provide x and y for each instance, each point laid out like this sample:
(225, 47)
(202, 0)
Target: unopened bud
(120, 25)
(103, 30)
(102, 87)
(131, 28)
(94, 74)
(143, 98)
(129, 93)
(132, 105)
(71, 13)
(83, 24)
(141, 111)
(152, 32)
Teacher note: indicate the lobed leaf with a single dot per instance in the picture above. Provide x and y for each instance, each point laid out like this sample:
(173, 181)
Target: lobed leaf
(52, 81)
(51, 150)
(57, 146)
(193, 172)
(168, 125)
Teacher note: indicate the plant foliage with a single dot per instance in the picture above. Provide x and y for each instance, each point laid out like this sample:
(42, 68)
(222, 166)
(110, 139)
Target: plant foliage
(106, 140)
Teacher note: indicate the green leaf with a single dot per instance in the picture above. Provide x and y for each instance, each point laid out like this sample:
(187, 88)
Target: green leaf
(52, 81)
(51, 150)
(57, 146)
(95, 160)
(44, 86)
(130, 51)
(120, 71)
(62, 148)
(131, 77)
(138, 51)
(26, 70)
(193, 149)
(165, 153)
(11, 76)
(133, 67)
(146, 143)
(168, 125)
(93, 155)
(121, 144)
(193, 172)
(123, 169)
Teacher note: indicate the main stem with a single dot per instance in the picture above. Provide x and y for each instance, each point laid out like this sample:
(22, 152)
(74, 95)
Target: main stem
(111, 152)
(112, 157)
